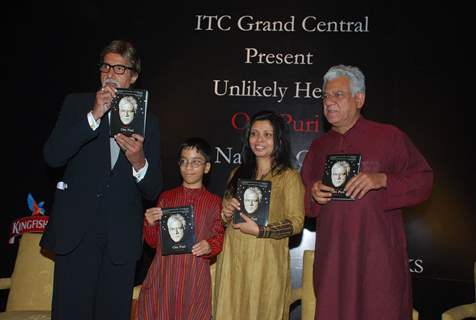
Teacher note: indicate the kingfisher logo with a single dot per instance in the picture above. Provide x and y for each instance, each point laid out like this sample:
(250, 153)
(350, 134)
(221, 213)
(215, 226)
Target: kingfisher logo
(34, 223)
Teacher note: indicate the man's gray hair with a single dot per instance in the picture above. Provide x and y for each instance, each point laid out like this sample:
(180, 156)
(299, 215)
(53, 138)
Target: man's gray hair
(131, 100)
(176, 217)
(356, 77)
(254, 190)
(343, 164)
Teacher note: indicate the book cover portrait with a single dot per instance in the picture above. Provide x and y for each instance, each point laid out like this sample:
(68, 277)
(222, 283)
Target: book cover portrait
(254, 197)
(177, 230)
(128, 112)
(338, 170)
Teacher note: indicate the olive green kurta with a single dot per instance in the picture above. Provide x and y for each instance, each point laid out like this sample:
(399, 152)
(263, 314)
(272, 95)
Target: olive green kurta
(253, 274)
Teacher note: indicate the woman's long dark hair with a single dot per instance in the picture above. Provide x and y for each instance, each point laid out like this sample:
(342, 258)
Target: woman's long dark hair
(281, 152)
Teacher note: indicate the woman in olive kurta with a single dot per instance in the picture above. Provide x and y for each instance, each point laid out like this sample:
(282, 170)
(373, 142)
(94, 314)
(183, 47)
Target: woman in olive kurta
(253, 271)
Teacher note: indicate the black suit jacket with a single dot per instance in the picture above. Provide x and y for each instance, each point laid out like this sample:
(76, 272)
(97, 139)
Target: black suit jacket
(95, 192)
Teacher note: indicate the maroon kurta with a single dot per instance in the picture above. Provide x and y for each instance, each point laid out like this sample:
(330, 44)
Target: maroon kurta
(361, 265)
(179, 286)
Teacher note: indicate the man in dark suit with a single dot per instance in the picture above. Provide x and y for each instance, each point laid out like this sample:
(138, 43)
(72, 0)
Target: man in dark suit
(95, 227)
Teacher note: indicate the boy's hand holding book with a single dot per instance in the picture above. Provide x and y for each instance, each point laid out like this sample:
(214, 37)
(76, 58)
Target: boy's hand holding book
(201, 248)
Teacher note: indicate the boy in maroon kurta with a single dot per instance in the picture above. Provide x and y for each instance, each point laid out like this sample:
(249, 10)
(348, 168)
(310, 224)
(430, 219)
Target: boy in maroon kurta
(361, 268)
(179, 286)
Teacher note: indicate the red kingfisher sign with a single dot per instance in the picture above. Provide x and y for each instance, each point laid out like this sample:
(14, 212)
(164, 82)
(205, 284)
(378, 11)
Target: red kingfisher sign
(34, 223)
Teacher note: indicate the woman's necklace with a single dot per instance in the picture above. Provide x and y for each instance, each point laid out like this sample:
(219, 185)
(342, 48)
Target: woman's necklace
(260, 177)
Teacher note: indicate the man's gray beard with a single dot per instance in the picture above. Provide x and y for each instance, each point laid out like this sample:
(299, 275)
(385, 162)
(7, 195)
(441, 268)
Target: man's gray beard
(113, 82)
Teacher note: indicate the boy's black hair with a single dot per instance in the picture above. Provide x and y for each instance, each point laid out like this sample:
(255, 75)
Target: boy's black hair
(200, 144)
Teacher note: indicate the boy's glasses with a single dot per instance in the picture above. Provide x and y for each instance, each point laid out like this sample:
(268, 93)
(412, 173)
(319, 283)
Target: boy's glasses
(195, 163)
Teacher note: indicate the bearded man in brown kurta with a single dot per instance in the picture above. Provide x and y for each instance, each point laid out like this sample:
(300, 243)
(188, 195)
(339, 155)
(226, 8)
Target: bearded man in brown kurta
(361, 267)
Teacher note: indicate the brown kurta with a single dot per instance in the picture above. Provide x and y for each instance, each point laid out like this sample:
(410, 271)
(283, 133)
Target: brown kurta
(253, 274)
(361, 265)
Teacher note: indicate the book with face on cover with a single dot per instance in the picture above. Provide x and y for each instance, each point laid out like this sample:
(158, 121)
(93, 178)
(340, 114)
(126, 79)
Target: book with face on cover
(254, 197)
(177, 230)
(129, 111)
(338, 170)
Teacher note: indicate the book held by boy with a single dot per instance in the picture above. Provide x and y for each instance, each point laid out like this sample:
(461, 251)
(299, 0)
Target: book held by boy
(177, 230)
(338, 170)
(129, 111)
(254, 197)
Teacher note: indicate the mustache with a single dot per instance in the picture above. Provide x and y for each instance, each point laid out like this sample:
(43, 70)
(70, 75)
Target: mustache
(112, 82)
